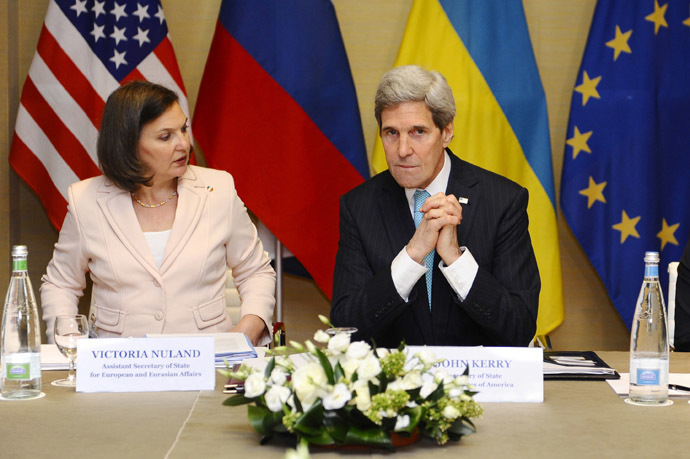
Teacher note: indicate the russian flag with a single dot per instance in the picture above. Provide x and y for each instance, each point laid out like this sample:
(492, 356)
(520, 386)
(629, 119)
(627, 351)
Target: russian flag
(277, 109)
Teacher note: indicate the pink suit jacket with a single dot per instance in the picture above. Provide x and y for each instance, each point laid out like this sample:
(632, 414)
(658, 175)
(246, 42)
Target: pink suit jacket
(131, 296)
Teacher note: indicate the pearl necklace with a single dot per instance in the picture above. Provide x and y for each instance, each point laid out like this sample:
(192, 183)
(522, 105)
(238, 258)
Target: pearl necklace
(153, 206)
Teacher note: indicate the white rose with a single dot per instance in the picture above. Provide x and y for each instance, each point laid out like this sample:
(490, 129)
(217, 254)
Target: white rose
(254, 385)
(283, 361)
(321, 336)
(426, 356)
(462, 381)
(413, 365)
(291, 402)
(402, 422)
(301, 452)
(412, 380)
(369, 368)
(335, 359)
(363, 398)
(278, 376)
(455, 393)
(337, 398)
(357, 350)
(427, 388)
(360, 384)
(442, 376)
(450, 412)
(349, 367)
(276, 397)
(395, 385)
(339, 343)
(382, 352)
(309, 382)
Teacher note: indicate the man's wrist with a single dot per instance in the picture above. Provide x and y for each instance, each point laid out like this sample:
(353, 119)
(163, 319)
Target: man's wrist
(415, 255)
(451, 258)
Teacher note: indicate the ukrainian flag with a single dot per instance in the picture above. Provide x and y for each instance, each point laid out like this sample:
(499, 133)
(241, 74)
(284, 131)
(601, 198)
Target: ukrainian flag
(483, 49)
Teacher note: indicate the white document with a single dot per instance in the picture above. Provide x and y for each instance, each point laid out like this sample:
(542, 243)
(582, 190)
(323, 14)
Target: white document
(52, 358)
(229, 347)
(622, 386)
(555, 369)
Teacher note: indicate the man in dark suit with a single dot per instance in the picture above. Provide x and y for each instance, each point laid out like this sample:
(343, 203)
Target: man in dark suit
(471, 229)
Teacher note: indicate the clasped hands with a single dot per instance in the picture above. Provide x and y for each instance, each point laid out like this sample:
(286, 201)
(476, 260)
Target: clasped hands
(437, 230)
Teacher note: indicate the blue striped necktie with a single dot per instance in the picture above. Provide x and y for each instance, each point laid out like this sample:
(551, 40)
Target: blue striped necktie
(419, 198)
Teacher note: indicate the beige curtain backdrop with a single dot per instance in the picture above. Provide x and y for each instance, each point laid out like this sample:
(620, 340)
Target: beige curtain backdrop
(372, 30)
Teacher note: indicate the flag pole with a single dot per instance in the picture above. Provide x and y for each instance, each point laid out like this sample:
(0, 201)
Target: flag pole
(279, 281)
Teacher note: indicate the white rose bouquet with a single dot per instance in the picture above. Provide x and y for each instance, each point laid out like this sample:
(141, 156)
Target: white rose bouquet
(348, 393)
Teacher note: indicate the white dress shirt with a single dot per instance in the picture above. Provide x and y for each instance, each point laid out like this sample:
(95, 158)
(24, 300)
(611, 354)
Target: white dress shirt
(406, 272)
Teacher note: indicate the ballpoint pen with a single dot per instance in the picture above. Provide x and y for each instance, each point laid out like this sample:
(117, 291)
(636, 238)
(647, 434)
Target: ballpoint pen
(678, 387)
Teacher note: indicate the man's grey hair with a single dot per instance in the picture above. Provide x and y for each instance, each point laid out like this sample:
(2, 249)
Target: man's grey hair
(411, 83)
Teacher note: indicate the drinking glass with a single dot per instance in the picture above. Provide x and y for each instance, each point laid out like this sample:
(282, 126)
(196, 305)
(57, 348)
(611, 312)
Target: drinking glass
(346, 330)
(69, 330)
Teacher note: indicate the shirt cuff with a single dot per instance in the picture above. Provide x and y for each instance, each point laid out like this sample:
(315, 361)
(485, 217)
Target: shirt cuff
(461, 273)
(405, 273)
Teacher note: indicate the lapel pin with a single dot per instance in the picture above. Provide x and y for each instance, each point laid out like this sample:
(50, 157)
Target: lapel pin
(462, 200)
(209, 188)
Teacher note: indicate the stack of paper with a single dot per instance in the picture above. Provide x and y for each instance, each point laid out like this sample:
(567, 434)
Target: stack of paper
(576, 365)
(229, 347)
(52, 358)
(622, 386)
(233, 348)
(576, 369)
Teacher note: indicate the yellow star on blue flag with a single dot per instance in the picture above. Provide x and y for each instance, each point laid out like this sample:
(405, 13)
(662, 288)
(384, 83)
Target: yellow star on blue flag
(639, 104)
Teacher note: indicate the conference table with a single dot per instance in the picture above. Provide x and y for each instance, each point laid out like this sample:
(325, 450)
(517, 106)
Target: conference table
(577, 419)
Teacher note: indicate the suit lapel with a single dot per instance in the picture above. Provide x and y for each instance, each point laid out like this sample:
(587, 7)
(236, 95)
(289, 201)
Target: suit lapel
(395, 212)
(192, 195)
(461, 184)
(399, 225)
(116, 205)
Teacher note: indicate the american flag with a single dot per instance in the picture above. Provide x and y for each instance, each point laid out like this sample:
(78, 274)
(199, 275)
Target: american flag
(87, 48)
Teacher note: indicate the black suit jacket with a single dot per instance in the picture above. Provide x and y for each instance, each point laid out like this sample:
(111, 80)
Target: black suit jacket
(376, 223)
(681, 339)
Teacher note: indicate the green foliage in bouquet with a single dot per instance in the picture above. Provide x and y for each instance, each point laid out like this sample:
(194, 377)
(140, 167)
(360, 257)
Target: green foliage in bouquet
(350, 394)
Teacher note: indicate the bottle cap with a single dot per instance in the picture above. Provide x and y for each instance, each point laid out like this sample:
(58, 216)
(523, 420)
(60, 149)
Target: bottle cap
(651, 257)
(20, 251)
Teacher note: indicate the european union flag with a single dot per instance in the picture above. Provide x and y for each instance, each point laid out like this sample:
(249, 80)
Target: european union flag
(626, 171)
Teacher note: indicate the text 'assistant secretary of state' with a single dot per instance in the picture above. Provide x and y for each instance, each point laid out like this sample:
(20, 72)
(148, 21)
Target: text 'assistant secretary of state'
(434, 250)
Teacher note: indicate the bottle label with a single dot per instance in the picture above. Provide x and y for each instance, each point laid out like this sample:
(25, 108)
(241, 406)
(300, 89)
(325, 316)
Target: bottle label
(19, 265)
(21, 366)
(651, 271)
(647, 377)
(18, 371)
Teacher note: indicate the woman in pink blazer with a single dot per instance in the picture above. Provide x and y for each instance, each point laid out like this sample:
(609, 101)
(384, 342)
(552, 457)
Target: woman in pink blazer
(156, 235)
